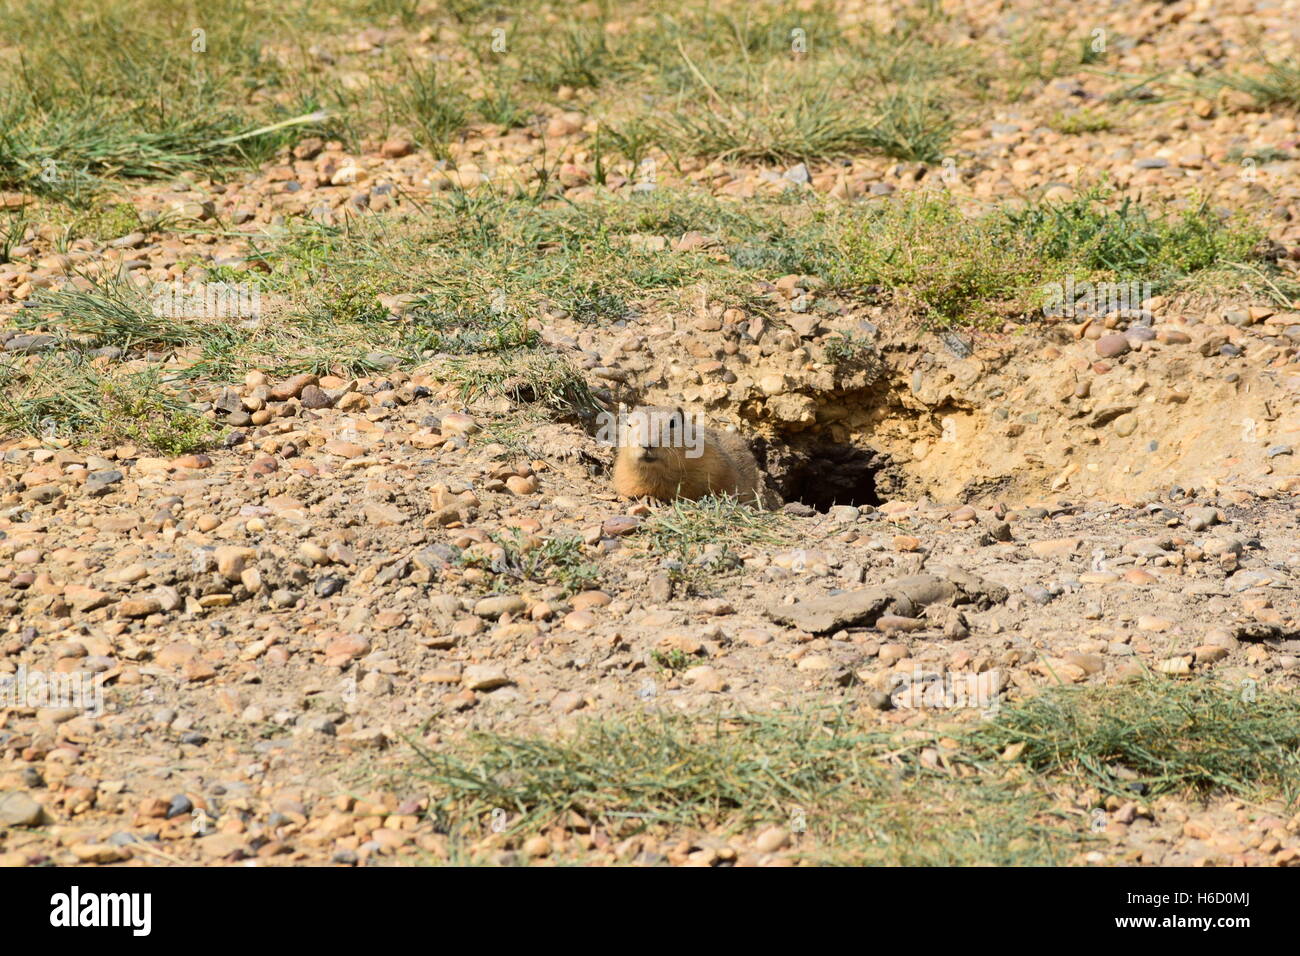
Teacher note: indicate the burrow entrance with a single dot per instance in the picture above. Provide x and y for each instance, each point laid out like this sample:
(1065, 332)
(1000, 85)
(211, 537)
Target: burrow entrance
(823, 474)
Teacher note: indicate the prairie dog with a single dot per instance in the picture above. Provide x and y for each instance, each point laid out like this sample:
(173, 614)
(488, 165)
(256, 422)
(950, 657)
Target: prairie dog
(665, 454)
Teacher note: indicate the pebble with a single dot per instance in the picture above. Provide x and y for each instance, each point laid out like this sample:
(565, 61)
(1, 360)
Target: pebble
(99, 853)
(1055, 547)
(1112, 345)
(458, 424)
(327, 586)
(493, 607)
(484, 677)
(705, 678)
(18, 809)
(772, 840)
(292, 387)
(1198, 519)
(620, 525)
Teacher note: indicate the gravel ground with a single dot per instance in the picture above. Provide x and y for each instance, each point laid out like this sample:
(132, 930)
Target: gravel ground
(368, 564)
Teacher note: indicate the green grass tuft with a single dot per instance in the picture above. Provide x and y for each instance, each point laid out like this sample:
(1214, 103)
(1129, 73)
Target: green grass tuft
(955, 269)
(1276, 83)
(560, 561)
(1081, 121)
(72, 399)
(870, 796)
(1172, 736)
(662, 774)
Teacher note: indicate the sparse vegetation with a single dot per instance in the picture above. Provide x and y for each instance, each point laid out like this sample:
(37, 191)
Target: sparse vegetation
(12, 228)
(674, 659)
(542, 379)
(143, 98)
(656, 774)
(685, 529)
(518, 556)
(110, 312)
(952, 268)
(869, 796)
(803, 116)
(1158, 736)
(848, 350)
(76, 400)
(1082, 121)
(1276, 83)
(698, 541)
(1268, 154)
(434, 107)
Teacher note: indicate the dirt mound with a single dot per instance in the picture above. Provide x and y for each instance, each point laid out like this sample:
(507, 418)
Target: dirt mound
(1113, 408)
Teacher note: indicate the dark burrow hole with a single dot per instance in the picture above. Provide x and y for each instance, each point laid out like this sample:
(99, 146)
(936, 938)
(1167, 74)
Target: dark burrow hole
(822, 474)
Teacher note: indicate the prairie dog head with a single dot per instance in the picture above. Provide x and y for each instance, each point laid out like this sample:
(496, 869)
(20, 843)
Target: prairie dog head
(653, 434)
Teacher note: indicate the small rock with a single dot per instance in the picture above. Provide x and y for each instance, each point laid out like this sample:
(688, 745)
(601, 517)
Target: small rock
(484, 677)
(292, 387)
(772, 839)
(99, 853)
(396, 148)
(493, 607)
(1112, 345)
(620, 525)
(17, 809)
(705, 678)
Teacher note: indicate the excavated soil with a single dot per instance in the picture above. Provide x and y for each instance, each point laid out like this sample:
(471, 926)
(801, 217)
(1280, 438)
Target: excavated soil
(983, 417)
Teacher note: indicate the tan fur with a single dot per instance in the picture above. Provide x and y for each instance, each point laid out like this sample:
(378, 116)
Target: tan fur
(724, 465)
